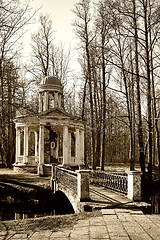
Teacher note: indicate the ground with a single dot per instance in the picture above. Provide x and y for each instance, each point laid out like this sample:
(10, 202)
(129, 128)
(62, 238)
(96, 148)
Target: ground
(18, 188)
(54, 223)
(115, 221)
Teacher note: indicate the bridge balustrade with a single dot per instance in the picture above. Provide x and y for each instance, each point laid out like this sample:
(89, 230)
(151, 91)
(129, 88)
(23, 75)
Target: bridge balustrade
(128, 183)
(115, 181)
(66, 177)
(77, 181)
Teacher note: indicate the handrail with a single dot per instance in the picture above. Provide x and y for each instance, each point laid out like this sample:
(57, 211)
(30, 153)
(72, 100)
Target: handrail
(76, 181)
(67, 170)
(115, 181)
(66, 177)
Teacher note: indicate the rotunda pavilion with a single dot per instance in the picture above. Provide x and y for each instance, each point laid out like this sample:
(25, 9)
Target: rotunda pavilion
(52, 136)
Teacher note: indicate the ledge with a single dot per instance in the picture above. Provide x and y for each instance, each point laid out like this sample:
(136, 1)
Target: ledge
(134, 172)
(25, 168)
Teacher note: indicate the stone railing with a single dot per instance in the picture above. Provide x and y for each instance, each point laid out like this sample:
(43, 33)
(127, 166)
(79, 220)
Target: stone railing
(115, 181)
(76, 181)
(128, 183)
(30, 159)
(66, 177)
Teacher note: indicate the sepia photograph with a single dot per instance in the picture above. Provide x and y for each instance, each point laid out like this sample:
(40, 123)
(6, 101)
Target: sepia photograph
(80, 119)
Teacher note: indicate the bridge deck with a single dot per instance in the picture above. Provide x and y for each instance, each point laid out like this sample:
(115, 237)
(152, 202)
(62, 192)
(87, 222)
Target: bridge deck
(102, 197)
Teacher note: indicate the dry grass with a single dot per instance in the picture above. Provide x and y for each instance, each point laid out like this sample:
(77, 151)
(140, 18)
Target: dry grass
(54, 223)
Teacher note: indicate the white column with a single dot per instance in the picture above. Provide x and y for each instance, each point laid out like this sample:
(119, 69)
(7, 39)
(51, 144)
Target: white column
(69, 148)
(25, 154)
(40, 102)
(41, 150)
(18, 141)
(36, 145)
(82, 147)
(77, 147)
(41, 145)
(65, 145)
(45, 101)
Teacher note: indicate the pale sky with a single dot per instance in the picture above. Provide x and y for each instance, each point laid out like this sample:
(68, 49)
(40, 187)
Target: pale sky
(62, 18)
(61, 15)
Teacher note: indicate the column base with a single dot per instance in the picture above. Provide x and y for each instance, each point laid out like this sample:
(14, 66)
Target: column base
(40, 170)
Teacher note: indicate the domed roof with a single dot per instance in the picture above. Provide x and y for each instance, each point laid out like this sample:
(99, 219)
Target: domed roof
(51, 84)
(52, 80)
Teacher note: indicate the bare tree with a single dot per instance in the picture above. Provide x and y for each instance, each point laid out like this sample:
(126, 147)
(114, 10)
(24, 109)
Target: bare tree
(82, 25)
(41, 43)
(14, 17)
(103, 28)
(47, 57)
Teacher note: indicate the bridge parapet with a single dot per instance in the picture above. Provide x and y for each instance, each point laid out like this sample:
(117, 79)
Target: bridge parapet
(128, 183)
(66, 177)
(115, 181)
(75, 184)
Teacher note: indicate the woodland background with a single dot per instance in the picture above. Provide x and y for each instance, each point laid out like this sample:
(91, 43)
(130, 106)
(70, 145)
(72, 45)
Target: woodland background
(117, 91)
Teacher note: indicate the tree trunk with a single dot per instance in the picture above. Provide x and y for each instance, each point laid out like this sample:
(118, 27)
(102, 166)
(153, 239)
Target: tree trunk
(148, 92)
(154, 100)
(140, 128)
(104, 104)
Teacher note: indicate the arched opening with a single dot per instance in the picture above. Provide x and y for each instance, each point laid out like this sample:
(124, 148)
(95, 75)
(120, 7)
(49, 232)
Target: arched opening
(62, 204)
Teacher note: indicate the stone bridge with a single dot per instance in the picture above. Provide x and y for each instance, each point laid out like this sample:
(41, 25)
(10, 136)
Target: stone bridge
(74, 184)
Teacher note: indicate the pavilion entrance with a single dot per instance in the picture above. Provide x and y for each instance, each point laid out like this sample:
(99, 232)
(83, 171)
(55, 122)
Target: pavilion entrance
(51, 146)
